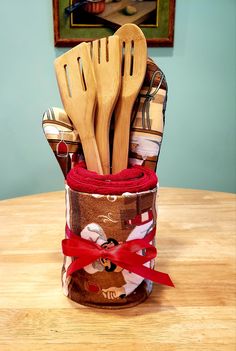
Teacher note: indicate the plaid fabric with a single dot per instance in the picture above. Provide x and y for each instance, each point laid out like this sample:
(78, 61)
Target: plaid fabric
(62, 138)
(148, 119)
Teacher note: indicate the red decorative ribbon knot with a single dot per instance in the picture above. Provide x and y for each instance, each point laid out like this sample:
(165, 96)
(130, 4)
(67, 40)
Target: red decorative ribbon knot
(123, 255)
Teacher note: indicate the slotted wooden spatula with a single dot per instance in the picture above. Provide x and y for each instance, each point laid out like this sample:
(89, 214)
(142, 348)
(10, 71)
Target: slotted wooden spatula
(106, 57)
(134, 52)
(78, 90)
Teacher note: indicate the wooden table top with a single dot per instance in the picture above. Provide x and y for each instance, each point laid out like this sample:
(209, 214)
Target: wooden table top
(196, 241)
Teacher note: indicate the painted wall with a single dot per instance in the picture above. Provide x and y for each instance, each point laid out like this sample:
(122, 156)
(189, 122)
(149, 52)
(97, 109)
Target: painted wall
(199, 148)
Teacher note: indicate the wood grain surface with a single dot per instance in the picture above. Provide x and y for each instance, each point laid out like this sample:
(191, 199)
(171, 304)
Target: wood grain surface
(134, 68)
(196, 241)
(78, 90)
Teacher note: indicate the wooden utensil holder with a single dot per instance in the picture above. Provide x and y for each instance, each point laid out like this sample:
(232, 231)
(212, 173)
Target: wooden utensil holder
(146, 132)
(108, 221)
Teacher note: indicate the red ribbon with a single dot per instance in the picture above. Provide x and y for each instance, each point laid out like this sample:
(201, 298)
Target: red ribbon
(123, 255)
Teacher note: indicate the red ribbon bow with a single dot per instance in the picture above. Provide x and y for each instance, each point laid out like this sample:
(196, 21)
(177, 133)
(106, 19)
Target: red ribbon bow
(123, 255)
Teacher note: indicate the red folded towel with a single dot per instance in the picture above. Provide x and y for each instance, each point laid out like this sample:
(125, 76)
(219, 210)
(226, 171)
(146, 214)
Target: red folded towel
(132, 180)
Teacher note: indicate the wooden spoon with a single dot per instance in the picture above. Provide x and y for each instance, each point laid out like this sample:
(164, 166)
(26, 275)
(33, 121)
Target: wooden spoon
(78, 90)
(106, 57)
(134, 64)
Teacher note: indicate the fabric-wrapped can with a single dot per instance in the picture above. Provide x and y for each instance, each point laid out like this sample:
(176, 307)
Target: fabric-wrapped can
(109, 244)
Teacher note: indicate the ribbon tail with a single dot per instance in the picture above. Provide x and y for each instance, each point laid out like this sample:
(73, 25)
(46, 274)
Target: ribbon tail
(151, 274)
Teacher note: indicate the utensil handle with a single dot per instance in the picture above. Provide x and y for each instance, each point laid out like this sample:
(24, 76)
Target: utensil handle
(102, 137)
(91, 155)
(121, 136)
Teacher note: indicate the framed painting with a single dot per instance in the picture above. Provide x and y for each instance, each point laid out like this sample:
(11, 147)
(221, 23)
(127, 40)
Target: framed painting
(85, 20)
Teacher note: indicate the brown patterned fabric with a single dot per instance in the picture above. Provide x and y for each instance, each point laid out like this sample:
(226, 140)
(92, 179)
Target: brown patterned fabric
(108, 220)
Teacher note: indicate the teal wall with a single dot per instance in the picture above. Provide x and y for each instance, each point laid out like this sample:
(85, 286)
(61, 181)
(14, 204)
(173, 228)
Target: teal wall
(199, 148)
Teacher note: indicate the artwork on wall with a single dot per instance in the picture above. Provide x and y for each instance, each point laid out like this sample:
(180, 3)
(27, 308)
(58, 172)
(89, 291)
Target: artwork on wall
(85, 20)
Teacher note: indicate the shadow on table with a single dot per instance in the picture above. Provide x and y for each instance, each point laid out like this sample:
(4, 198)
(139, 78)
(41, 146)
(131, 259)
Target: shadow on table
(155, 303)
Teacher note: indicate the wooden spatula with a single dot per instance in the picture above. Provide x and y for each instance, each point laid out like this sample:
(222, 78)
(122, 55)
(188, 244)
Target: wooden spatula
(106, 57)
(77, 85)
(134, 64)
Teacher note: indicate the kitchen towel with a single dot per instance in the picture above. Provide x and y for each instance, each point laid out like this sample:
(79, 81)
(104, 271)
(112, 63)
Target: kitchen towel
(134, 179)
(109, 245)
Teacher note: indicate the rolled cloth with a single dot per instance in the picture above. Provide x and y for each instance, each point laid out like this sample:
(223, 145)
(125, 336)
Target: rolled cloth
(131, 180)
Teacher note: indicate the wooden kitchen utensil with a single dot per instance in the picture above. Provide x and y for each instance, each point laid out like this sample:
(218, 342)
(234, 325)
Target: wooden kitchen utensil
(78, 90)
(134, 64)
(106, 57)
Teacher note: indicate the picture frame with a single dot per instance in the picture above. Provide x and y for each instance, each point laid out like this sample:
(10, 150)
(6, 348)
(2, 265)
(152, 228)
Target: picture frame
(154, 17)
